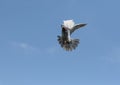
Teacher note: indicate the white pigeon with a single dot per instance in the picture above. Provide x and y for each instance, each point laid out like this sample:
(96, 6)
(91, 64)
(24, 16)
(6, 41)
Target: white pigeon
(65, 40)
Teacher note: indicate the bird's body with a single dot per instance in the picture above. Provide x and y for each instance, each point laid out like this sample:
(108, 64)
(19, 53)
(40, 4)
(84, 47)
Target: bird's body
(65, 39)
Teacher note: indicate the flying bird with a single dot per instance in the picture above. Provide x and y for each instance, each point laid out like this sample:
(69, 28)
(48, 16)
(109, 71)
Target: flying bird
(65, 40)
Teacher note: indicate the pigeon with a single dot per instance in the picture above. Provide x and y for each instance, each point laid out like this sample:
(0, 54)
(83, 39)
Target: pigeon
(65, 40)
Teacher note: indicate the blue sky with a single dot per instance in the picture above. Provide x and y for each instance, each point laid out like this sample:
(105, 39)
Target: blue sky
(31, 55)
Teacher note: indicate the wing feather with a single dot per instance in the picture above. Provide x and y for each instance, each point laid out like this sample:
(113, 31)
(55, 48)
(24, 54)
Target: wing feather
(77, 26)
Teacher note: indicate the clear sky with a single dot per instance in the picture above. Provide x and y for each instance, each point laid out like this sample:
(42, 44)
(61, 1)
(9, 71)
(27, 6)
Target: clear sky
(31, 55)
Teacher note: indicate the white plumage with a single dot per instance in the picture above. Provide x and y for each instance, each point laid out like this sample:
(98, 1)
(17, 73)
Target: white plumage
(68, 23)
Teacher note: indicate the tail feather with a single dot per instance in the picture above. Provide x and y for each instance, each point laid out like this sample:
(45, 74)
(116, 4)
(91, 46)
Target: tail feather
(72, 45)
(68, 46)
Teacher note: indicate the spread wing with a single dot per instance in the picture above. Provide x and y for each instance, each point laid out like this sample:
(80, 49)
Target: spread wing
(76, 27)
